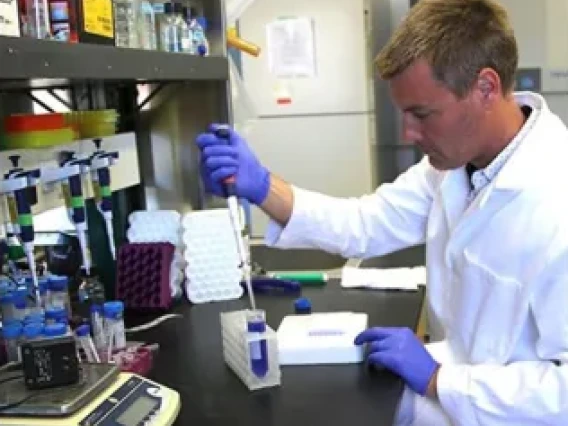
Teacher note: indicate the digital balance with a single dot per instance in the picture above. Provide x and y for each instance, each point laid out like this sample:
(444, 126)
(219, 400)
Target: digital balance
(103, 397)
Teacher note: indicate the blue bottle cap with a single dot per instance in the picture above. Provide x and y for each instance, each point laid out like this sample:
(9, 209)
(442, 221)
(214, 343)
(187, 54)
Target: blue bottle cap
(43, 284)
(202, 21)
(113, 309)
(20, 303)
(34, 318)
(58, 283)
(201, 50)
(97, 308)
(54, 330)
(55, 313)
(83, 330)
(12, 331)
(7, 298)
(21, 292)
(11, 322)
(302, 306)
(33, 330)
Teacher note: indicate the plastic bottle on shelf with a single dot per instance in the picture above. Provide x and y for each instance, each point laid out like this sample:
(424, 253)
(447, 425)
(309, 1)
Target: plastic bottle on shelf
(198, 26)
(126, 23)
(147, 26)
(36, 19)
(170, 41)
(186, 33)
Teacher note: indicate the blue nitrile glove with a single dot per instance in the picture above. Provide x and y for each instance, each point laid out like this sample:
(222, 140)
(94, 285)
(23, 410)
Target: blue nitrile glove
(399, 350)
(220, 160)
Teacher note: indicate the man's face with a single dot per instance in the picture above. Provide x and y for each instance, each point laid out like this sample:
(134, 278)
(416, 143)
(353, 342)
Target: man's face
(444, 127)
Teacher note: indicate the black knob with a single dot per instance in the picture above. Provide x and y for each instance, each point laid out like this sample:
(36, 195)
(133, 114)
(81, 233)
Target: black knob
(98, 143)
(15, 159)
(65, 156)
(223, 132)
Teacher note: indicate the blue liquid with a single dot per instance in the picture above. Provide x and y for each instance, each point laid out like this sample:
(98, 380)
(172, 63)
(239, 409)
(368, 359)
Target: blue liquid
(258, 349)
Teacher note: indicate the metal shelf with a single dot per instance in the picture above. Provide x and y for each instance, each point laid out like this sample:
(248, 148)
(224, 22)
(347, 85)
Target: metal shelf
(29, 59)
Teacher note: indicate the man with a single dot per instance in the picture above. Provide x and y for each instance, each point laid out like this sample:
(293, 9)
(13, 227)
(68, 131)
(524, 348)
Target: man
(490, 200)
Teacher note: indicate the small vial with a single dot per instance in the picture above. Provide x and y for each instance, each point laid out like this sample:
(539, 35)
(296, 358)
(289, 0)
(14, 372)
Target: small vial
(12, 335)
(256, 327)
(33, 331)
(58, 294)
(114, 325)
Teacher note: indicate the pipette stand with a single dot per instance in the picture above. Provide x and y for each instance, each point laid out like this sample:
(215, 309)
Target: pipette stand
(70, 167)
(237, 355)
(102, 159)
(19, 179)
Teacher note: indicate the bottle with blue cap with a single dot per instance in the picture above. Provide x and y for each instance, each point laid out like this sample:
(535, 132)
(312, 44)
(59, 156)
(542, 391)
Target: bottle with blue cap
(83, 335)
(33, 331)
(43, 284)
(58, 292)
(12, 334)
(114, 326)
(35, 318)
(56, 316)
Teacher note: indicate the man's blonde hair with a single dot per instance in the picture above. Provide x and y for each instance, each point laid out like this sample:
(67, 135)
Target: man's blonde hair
(458, 38)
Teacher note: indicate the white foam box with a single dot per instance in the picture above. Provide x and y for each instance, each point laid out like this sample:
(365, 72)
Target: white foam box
(321, 338)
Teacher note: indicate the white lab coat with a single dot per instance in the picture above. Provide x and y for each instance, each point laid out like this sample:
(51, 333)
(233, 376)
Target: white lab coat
(497, 270)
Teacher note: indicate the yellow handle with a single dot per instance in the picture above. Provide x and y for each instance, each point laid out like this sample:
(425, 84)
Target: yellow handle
(233, 40)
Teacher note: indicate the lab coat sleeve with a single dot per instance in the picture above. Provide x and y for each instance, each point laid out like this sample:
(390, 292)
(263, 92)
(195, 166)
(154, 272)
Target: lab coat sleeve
(392, 218)
(524, 392)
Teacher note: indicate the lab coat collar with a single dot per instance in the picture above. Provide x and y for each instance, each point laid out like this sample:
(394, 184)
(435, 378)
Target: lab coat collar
(536, 132)
(513, 176)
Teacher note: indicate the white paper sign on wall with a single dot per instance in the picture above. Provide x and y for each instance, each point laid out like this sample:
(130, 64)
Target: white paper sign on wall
(291, 48)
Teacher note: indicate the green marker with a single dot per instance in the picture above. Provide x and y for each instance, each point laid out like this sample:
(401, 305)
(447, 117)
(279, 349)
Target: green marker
(307, 278)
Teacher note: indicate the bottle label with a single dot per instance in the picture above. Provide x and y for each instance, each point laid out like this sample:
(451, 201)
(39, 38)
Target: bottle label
(9, 21)
(97, 15)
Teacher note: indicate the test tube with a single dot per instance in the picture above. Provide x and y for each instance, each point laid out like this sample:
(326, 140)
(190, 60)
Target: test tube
(12, 334)
(97, 324)
(114, 326)
(83, 334)
(258, 351)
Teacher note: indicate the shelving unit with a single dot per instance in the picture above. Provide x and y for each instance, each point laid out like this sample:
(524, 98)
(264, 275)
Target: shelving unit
(25, 59)
(163, 99)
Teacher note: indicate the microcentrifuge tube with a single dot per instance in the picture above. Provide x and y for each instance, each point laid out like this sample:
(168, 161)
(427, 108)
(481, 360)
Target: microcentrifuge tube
(256, 327)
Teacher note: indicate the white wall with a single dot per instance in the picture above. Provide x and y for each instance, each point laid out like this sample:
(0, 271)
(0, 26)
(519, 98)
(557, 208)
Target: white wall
(542, 32)
(322, 140)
